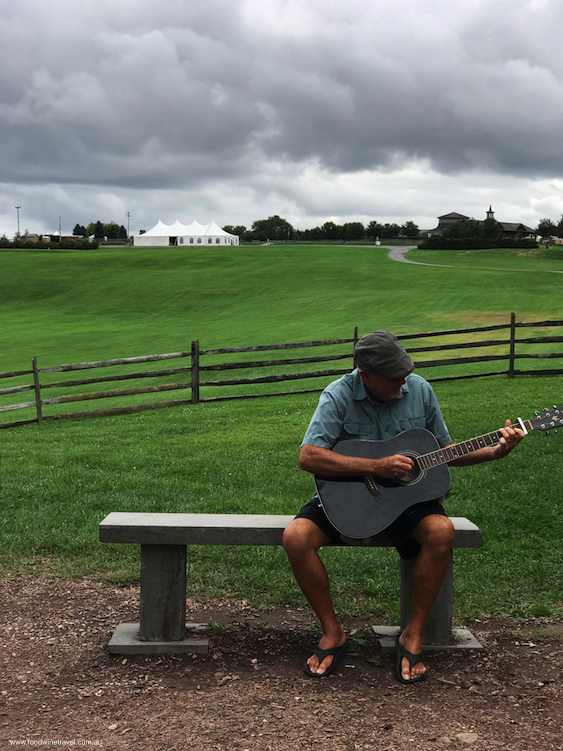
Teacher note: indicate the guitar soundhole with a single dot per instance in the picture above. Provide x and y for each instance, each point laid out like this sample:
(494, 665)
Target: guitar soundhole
(415, 475)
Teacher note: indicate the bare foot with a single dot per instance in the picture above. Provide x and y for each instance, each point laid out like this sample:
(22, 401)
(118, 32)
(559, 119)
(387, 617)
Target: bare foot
(326, 642)
(414, 646)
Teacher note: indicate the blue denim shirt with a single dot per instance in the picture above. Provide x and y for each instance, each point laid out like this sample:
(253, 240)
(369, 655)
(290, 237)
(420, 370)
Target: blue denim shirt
(346, 410)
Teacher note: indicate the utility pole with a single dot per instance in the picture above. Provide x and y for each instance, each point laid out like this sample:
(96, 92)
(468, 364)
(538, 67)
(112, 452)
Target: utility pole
(18, 216)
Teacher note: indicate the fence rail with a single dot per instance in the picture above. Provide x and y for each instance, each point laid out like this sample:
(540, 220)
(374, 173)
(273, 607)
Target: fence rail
(201, 386)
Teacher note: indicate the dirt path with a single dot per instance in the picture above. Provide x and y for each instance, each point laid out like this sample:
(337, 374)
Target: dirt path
(59, 683)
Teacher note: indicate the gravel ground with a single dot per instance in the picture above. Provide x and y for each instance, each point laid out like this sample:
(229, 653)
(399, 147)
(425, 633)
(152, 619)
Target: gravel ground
(61, 687)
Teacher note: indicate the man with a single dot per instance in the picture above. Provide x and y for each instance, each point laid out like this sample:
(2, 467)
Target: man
(379, 399)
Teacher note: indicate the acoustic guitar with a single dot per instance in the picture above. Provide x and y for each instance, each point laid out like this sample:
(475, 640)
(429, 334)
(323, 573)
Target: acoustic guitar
(365, 506)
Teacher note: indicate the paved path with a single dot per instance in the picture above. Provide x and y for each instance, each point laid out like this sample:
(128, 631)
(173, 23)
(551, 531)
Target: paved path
(399, 254)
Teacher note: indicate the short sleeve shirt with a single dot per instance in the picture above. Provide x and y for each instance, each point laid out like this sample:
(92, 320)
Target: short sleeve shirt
(346, 411)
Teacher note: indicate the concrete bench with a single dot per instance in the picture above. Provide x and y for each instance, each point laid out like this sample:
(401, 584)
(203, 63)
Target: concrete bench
(163, 539)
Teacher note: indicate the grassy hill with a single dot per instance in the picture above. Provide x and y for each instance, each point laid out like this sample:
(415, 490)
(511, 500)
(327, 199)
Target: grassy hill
(88, 305)
(57, 481)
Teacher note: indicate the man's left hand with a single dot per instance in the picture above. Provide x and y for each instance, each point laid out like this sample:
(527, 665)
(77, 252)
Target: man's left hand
(511, 437)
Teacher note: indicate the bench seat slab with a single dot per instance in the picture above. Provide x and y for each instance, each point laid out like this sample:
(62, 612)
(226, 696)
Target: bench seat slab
(140, 528)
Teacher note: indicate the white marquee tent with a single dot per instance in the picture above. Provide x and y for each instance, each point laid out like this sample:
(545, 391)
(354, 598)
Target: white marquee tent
(162, 235)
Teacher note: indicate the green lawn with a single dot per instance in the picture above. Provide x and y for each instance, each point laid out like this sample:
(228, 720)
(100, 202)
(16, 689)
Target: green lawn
(75, 306)
(57, 481)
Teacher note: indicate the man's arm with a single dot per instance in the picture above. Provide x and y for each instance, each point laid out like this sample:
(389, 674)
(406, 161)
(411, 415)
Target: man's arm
(321, 461)
(510, 438)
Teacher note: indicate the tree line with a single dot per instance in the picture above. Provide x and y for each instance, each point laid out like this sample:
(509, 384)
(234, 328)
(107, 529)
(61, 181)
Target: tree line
(277, 228)
(99, 231)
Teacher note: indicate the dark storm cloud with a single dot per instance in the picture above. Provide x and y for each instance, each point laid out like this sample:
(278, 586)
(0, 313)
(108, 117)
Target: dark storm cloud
(145, 94)
(481, 96)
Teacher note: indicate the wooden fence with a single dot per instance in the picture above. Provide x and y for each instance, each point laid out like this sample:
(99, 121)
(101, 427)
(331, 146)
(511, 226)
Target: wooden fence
(469, 355)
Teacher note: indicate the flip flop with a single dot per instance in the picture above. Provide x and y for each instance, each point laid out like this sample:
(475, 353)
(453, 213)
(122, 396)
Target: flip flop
(400, 652)
(337, 652)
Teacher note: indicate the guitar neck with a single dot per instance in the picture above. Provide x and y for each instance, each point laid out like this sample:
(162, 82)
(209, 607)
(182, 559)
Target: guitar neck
(457, 450)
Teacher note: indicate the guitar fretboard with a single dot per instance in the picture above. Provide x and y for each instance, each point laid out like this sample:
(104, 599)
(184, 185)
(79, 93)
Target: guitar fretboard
(457, 450)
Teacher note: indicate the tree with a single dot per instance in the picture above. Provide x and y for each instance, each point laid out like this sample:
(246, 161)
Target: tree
(374, 230)
(111, 231)
(79, 230)
(238, 230)
(353, 231)
(546, 228)
(312, 234)
(465, 229)
(330, 231)
(409, 229)
(273, 228)
(390, 230)
(99, 232)
(491, 231)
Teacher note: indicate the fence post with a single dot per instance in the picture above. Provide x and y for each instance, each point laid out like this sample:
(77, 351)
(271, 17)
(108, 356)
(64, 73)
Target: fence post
(512, 345)
(37, 389)
(195, 372)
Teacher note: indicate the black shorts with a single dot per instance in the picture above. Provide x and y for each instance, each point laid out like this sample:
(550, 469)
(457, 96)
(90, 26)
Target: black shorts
(399, 533)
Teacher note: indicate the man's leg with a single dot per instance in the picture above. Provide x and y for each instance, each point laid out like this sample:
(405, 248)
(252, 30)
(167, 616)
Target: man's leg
(302, 539)
(435, 535)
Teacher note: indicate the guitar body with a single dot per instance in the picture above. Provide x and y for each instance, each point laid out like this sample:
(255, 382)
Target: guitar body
(362, 507)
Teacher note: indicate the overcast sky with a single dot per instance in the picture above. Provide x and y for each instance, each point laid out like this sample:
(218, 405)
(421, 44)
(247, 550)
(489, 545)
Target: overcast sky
(316, 110)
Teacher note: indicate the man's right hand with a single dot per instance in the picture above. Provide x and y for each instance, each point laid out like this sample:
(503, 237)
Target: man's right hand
(327, 463)
(394, 466)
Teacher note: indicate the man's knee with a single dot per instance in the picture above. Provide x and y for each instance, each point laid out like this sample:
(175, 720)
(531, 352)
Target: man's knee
(437, 532)
(302, 535)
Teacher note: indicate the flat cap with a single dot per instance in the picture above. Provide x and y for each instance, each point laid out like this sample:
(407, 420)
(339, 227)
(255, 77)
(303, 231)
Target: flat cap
(383, 354)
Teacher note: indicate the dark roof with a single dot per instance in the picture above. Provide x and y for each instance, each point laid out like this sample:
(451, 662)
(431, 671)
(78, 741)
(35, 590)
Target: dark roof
(516, 227)
(452, 215)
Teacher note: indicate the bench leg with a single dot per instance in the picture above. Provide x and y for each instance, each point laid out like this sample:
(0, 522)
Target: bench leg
(438, 626)
(163, 593)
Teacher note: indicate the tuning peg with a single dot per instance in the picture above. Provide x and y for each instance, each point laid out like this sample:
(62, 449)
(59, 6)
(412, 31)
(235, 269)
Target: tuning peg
(536, 413)
(546, 432)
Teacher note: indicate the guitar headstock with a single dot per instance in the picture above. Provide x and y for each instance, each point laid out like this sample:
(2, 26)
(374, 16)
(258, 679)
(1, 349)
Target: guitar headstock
(548, 419)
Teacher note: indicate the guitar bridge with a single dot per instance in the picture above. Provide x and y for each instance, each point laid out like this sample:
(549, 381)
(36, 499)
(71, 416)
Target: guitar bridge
(372, 486)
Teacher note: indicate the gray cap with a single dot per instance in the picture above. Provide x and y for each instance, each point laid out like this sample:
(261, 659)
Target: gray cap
(383, 354)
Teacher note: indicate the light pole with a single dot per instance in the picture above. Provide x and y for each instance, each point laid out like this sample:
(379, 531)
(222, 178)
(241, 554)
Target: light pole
(128, 214)
(18, 216)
